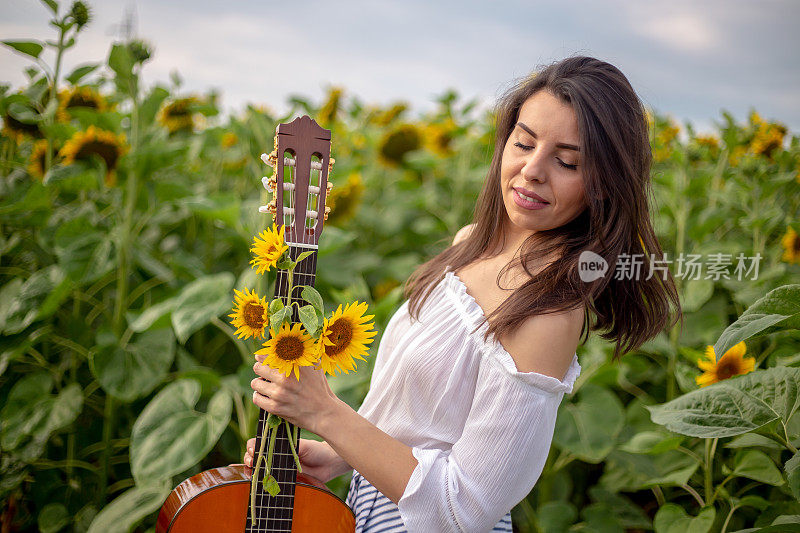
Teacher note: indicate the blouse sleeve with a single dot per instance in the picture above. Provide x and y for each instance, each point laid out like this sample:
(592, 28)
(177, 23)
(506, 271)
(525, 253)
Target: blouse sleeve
(497, 459)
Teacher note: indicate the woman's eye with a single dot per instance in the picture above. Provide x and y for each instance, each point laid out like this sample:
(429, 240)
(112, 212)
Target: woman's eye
(526, 148)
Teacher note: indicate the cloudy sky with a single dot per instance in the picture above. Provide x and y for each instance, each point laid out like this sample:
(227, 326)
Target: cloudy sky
(690, 59)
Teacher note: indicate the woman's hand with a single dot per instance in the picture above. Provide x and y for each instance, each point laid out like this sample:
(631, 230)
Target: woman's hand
(304, 403)
(317, 459)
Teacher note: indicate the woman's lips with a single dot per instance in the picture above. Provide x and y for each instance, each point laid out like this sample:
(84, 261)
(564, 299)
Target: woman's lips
(526, 203)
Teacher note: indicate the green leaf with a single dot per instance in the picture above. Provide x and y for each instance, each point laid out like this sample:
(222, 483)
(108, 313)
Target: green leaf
(150, 315)
(26, 406)
(222, 206)
(53, 518)
(81, 72)
(120, 61)
(556, 517)
(271, 485)
(29, 48)
(286, 264)
(278, 318)
(135, 370)
(303, 255)
(52, 5)
(122, 514)
(792, 469)
(778, 310)
(31, 414)
(755, 464)
(671, 518)
(85, 254)
(275, 305)
(695, 293)
(631, 472)
(312, 296)
(652, 442)
(733, 406)
(170, 436)
(308, 316)
(28, 305)
(199, 302)
(23, 113)
(589, 427)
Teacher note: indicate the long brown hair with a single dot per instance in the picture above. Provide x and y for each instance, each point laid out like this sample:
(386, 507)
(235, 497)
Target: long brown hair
(616, 156)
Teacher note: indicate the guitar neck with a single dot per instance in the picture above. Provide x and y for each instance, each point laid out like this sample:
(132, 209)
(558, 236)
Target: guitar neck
(274, 513)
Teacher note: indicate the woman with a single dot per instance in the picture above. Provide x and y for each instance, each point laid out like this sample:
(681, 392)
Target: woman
(459, 418)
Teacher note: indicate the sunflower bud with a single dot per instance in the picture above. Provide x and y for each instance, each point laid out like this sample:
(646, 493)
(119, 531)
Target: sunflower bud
(80, 14)
(140, 51)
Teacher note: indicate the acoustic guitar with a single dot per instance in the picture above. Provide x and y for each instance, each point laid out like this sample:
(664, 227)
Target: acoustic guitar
(218, 500)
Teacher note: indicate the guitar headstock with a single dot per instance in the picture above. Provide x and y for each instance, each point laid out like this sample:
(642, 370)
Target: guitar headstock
(301, 161)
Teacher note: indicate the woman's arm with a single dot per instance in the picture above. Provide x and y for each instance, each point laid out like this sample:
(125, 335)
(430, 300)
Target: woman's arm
(310, 403)
(383, 460)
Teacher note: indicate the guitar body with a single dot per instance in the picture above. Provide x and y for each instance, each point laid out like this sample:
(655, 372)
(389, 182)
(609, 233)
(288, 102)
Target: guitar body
(216, 501)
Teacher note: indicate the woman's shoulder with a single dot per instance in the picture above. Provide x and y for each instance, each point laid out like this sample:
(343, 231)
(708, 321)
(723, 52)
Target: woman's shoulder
(462, 233)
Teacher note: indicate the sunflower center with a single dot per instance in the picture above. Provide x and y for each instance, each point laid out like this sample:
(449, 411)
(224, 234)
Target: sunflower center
(796, 244)
(726, 370)
(254, 315)
(341, 334)
(108, 152)
(79, 100)
(289, 348)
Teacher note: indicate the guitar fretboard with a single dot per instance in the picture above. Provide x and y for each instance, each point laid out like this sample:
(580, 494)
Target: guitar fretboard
(274, 513)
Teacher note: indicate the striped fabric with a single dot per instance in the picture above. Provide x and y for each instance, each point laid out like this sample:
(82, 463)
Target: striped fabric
(375, 513)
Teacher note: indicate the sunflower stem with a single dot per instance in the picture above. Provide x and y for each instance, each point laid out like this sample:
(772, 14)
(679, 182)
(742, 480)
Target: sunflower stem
(254, 479)
(272, 434)
(290, 434)
(48, 157)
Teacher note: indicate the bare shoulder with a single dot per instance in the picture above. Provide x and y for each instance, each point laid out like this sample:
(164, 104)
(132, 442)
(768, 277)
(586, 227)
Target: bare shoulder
(546, 343)
(462, 233)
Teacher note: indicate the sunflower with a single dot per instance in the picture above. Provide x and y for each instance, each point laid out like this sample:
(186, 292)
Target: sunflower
(250, 315)
(733, 363)
(79, 97)
(344, 201)
(380, 117)
(229, 139)
(37, 159)
(96, 142)
(791, 246)
(345, 336)
(290, 349)
(178, 115)
(767, 139)
(329, 111)
(397, 143)
(439, 137)
(268, 248)
(663, 141)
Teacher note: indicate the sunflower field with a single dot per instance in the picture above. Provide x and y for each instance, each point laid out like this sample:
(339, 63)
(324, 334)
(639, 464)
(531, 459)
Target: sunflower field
(128, 211)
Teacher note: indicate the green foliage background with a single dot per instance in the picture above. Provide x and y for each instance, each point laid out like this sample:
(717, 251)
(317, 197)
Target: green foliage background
(120, 375)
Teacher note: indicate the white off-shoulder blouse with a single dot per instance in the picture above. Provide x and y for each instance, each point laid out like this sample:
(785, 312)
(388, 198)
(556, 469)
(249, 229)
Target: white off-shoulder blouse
(480, 430)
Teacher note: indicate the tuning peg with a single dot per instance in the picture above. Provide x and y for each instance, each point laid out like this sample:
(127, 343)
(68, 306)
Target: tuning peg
(329, 186)
(325, 215)
(330, 165)
(269, 183)
(269, 208)
(270, 159)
